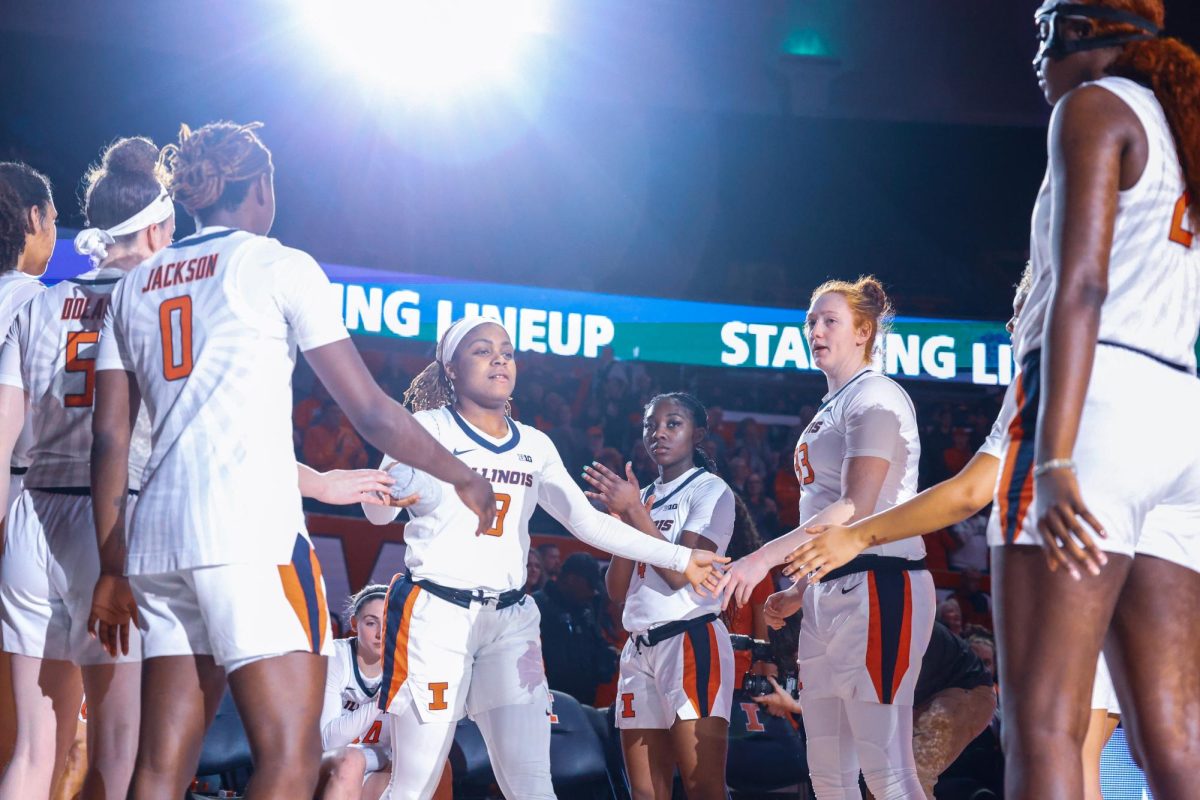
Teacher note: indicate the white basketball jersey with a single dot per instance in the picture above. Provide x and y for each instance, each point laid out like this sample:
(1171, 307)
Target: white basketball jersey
(697, 501)
(355, 692)
(210, 326)
(442, 546)
(51, 354)
(869, 416)
(17, 289)
(1153, 301)
(524, 469)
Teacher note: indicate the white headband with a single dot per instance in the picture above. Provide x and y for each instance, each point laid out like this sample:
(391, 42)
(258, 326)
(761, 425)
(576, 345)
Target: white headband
(94, 242)
(457, 332)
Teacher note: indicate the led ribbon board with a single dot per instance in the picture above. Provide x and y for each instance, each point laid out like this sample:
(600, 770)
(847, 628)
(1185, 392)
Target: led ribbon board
(401, 305)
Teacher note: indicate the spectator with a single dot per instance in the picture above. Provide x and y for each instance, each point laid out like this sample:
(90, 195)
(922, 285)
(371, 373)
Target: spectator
(551, 561)
(950, 614)
(970, 537)
(787, 497)
(761, 508)
(577, 658)
(332, 444)
(595, 442)
(938, 547)
(975, 605)
(956, 456)
(570, 442)
(986, 650)
(535, 576)
(739, 473)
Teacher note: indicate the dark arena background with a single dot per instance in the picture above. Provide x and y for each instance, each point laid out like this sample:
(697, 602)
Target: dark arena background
(645, 191)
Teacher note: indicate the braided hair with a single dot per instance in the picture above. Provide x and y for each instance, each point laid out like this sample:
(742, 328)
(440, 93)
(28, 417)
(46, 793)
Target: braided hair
(430, 389)
(699, 415)
(212, 168)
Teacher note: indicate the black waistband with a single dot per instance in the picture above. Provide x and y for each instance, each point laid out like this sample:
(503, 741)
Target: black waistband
(464, 597)
(72, 491)
(874, 563)
(1140, 352)
(17, 470)
(672, 629)
(1034, 356)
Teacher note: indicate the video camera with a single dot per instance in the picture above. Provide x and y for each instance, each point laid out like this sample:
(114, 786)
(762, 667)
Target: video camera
(758, 685)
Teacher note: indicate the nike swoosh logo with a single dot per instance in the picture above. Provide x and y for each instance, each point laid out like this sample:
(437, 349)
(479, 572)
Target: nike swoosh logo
(850, 589)
(468, 450)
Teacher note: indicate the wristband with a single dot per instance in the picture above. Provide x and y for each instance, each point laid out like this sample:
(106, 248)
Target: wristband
(1053, 464)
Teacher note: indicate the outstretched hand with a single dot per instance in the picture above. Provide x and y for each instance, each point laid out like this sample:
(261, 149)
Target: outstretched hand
(620, 495)
(832, 546)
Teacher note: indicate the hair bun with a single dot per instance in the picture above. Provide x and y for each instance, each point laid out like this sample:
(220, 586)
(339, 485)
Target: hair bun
(136, 154)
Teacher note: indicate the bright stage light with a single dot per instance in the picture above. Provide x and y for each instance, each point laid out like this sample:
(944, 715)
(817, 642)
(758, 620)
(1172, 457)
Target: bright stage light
(431, 49)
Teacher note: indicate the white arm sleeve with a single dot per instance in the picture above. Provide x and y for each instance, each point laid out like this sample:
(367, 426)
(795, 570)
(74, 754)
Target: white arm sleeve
(566, 502)
(339, 727)
(381, 515)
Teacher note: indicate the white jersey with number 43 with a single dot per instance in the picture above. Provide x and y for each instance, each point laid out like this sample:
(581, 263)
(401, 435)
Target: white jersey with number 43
(210, 326)
(869, 416)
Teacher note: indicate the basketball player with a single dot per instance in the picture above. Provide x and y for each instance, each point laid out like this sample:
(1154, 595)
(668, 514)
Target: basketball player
(866, 625)
(1106, 341)
(50, 562)
(461, 635)
(940, 506)
(225, 579)
(27, 235)
(677, 672)
(354, 737)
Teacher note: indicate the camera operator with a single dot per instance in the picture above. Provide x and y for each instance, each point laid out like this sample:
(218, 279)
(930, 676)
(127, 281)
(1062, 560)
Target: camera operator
(577, 657)
(953, 703)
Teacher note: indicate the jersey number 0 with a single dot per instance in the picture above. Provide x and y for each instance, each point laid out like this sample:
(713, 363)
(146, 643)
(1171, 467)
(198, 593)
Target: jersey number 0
(175, 318)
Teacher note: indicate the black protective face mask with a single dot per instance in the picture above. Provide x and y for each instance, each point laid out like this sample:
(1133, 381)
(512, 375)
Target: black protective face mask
(1054, 44)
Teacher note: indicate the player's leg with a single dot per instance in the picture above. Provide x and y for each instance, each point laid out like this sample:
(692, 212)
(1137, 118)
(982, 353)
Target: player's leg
(649, 762)
(518, 743)
(114, 710)
(699, 749)
(419, 751)
(1152, 652)
(377, 782)
(69, 784)
(1049, 630)
(180, 696)
(508, 698)
(832, 754)
(342, 773)
(695, 672)
(47, 693)
(279, 700)
(1101, 725)
(883, 735)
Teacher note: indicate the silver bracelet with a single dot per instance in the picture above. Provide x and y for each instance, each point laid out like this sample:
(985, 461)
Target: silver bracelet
(1053, 464)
